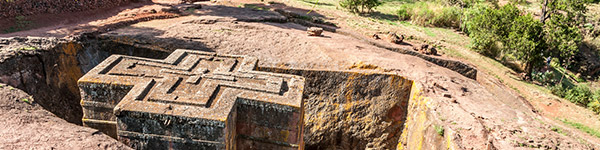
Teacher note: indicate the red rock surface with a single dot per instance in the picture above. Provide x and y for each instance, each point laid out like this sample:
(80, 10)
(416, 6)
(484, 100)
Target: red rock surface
(12, 8)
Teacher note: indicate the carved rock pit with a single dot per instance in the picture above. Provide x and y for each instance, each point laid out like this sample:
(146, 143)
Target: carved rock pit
(193, 100)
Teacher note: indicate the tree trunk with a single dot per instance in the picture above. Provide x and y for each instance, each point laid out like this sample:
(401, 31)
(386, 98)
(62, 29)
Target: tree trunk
(544, 11)
(528, 70)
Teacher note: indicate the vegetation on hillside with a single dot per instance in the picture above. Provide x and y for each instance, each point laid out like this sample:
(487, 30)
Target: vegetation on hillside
(582, 127)
(562, 32)
(514, 34)
(431, 14)
(510, 34)
(506, 33)
(359, 6)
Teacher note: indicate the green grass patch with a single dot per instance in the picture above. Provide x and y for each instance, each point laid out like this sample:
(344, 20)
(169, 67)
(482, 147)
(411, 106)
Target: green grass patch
(253, 6)
(453, 53)
(392, 23)
(439, 130)
(29, 48)
(319, 3)
(558, 130)
(405, 23)
(429, 33)
(25, 100)
(582, 127)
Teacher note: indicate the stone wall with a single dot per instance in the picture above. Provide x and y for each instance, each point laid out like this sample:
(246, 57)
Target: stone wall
(48, 68)
(45, 68)
(352, 110)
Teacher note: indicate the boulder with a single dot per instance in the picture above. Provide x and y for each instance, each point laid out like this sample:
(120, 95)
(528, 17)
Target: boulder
(314, 31)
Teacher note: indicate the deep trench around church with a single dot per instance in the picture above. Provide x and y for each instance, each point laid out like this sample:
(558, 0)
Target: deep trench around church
(347, 110)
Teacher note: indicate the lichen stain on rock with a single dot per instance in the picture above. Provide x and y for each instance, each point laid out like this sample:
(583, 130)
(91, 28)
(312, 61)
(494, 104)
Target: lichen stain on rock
(68, 67)
(362, 65)
(413, 134)
(352, 110)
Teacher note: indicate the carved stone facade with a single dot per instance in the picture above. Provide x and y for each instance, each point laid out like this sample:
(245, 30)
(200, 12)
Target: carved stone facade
(193, 100)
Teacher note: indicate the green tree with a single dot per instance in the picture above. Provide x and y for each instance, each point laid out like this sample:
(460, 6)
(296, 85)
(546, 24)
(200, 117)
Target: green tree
(525, 43)
(561, 19)
(489, 27)
(505, 31)
(563, 38)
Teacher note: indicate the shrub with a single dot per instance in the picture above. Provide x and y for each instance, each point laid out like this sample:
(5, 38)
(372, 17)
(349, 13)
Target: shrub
(558, 90)
(403, 13)
(449, 17)
(439, 130)
(469, 14)
(489, 28)
(580, 95)
(595, 105)
(525, 43)
(506, 32)
(485, 43)
(428, 14)
(545, 78)
(461, 3)
(359, 6)
(422, 16)
(518, 1)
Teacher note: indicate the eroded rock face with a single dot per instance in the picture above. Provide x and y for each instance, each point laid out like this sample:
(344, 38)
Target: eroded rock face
(46, 68)
(49, 68)
(352, 110)
(26, 125)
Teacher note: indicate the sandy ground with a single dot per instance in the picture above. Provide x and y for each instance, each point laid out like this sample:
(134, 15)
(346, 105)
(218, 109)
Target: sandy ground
(26, 125)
